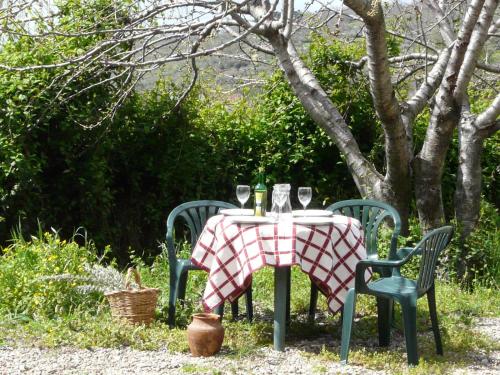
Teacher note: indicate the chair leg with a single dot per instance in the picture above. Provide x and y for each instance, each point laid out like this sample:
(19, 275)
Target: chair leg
(431, 299)
(249, 304)
(288, 295)
(313, 302)
(393, 322)
(219, 310)
(181, 294)
(235, 309)
(171, 307)
(349, 307)
(409, 308)
(384, 319)
(172, 298)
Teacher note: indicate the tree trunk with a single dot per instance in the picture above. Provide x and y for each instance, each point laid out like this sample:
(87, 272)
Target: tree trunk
(471, 135)
(446, 113)
(321, 109)
(468, 191)
(394, 188)
(428, 168)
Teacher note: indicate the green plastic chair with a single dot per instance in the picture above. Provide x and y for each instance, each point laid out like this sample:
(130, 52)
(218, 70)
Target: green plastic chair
(403, 290)
(371, 214)
(195, 214)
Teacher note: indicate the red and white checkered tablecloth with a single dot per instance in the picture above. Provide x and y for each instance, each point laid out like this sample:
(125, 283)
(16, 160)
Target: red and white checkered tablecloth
(231, 252)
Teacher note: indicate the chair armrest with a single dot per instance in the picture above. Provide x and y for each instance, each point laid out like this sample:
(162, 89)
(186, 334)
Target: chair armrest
(403, 252)
(362, 265)
(365, 263)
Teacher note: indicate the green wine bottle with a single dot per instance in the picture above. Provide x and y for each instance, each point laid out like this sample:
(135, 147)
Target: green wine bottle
(260, 195)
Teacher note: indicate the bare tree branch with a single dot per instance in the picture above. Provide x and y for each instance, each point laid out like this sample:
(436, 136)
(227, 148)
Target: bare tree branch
(477, 41)
(445, 26)
(382, 90)
(490, 115)
(416, 103)
(205, 33)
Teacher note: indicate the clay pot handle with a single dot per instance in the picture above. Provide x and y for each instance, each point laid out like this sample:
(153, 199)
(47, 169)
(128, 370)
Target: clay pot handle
(137, 278)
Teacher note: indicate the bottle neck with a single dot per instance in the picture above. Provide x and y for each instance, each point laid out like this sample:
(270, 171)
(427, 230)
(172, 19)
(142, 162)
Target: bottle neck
(261, 178)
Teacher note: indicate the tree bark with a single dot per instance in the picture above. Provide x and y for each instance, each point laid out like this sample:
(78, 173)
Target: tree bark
(472, 132)
(468, 191)
(396, 188)
(429, 163)
(471, 136)
(428, 168)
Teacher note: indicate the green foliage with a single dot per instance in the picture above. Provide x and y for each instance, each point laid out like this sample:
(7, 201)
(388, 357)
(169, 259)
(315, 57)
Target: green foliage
(88, 327)
(50, 168)
(54, 315)
(480, 254)
(120, 180)
(23, 266)
(85, 330)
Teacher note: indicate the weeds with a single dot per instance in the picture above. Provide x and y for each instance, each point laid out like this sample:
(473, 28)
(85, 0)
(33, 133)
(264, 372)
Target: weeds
(86, 322)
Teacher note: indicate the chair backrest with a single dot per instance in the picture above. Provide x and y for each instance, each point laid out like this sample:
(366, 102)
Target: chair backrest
(429, 248)
(195, 215)
(371, 214)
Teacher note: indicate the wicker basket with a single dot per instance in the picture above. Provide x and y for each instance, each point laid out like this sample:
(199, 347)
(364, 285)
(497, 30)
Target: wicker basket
(136, 306)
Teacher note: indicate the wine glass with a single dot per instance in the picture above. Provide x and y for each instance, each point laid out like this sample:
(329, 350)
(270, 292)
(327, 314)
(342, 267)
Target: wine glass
(305, 195)
(242, 193)
(279, 197)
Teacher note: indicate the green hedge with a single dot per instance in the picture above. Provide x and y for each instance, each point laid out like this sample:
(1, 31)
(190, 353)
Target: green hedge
(120, 180)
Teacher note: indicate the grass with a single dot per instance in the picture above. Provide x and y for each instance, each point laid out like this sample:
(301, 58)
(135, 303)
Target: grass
(457, 310)
(197, 369)
(89, 324)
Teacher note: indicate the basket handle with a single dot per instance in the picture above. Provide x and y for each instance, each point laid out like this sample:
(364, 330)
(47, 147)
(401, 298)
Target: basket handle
(137, 278)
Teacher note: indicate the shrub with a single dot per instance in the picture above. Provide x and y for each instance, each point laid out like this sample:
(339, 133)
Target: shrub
(24, 266)
(120, 180)
(479, 256)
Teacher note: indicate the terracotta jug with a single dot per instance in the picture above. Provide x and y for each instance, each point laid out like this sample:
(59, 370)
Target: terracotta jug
(205, 334)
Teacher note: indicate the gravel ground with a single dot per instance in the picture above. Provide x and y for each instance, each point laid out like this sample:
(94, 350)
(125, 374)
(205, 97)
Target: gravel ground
(294, 360)
(127, 361)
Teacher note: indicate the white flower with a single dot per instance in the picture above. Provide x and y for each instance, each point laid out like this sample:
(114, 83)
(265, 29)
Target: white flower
(97, 279)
